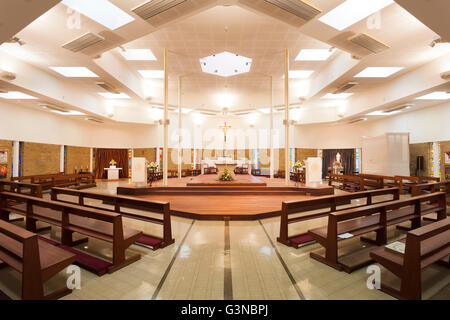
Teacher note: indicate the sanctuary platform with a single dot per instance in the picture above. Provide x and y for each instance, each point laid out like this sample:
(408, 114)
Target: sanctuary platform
(225, 201)
(241, 180)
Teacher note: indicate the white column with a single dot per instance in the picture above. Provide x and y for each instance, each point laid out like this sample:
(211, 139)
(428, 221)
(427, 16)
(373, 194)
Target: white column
(61, 159)
(286, 112)
(91, 156)
(166, 117)
(179, 126)
(15, 158)
(271, 131)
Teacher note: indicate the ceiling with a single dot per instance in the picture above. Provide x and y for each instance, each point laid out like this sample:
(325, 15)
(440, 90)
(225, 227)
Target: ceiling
(200, 28)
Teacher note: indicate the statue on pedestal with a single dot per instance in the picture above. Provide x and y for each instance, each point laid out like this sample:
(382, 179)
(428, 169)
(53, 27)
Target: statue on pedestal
(337, 167)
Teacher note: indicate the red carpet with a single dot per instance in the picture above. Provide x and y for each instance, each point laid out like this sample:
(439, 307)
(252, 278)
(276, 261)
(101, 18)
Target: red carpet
(88, 262)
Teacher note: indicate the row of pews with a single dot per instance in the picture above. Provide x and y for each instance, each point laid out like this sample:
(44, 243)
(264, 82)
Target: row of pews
(39, 258)
(48, 181)
(368, 214)
(362, 182)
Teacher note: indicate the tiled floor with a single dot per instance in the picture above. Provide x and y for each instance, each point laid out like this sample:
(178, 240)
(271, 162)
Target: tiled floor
(217, 260)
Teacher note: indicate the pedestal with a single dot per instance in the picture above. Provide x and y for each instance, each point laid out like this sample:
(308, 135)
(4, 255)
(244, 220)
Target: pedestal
(113, 173)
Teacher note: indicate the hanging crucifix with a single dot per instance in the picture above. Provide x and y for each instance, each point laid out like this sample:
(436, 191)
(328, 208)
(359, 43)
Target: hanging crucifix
(225, 129)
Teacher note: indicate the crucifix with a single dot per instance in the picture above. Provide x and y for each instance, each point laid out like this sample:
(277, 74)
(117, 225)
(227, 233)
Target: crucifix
(225, 129)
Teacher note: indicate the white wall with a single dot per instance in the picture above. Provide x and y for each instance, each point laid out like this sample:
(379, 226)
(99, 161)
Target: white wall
(425, 125)
(26, 124)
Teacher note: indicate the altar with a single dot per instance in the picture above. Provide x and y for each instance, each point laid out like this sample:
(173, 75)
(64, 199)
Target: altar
(222, 162)
(113, 173)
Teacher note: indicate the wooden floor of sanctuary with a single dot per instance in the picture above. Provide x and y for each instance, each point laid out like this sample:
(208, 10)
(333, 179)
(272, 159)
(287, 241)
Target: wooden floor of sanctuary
(246, 198)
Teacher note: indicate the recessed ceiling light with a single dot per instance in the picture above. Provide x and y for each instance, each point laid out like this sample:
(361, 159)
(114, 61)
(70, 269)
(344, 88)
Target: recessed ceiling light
(437, 95)
(226, 64)
(382, 113)
(152, 74)
(300, 74)
(101, 11)
(338, 96)
(16, 95)
(138, 54)
(109, 95)
(75, 72)
(378, 72)
(314, 54)
(69, 113)
(352, 11)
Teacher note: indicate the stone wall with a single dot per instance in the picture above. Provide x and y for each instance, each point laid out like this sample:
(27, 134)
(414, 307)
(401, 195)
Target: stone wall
(415, 150)
(445, 147)
(40, 158)
(6, 145)
(77, 158)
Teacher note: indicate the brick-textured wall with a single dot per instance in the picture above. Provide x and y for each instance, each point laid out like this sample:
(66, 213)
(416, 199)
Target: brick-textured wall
(39, 158)
(303, 154)
(6, 145)
(445, 147)
(415, 150)
(77, 158)
(148, 153)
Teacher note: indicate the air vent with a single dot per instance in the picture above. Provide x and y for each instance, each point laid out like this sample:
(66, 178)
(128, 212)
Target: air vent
(108, 87)
(207, 112)
(297, 7)
(154, 7)
(400, 108)
(357, 120)
(83, 42)
(345, 87)
(94, 120)
(243, 112)
(368, 42)
(54, 108)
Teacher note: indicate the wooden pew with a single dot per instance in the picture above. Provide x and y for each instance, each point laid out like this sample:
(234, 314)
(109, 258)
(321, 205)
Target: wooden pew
(120, 202)
(423, 247)
(426, 188)
(372, 180)
(406, 183)
(348, 182)
(374, 218)
(100, 224)
(331, 203)
(47, 181)
(31, 189)
(424, 179)
(36, 260)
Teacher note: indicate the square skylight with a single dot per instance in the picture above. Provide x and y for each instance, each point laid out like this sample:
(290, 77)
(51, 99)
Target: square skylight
(101, 11)
(109, 95)
(378, 72)
(314, 54)
(138, 54)
(74, 72)
(352, 11)
(16, 95)
(226, 64)
(300, 74)
(339, 96)
(437, 95)
(152, 74)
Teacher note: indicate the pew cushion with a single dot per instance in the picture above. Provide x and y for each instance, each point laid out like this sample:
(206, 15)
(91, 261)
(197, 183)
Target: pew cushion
(88, 262)
(3, 296)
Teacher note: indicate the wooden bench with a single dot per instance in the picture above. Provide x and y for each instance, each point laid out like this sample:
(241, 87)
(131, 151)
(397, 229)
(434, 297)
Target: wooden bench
(373, 218)
(47, 181)
(100, 224)
(425, 179)
(36, 260)
(348, 182)
(120, 202)
(31, 189)
(331, 203)
(423, 247)
(372, 180)
(405, 183)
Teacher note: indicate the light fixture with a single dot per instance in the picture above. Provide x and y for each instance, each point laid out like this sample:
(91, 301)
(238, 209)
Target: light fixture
(6, 75)
(378, 72)
(264, 110)
(225, 64)
(300, 74)
(338, 96)
(152, 74)
(183, 110)
(437, 41)
(437, 95)
(314, 54)
(445, 75)
(352, 11)
(101, 11)
(74, 72)
(16, 40)
(16, 95)
(109, 95)
(138, 54)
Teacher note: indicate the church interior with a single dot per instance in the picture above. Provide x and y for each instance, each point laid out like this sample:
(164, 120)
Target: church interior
(224, 150)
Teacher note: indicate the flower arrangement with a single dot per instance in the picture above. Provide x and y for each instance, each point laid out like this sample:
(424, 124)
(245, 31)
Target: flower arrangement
(299, 164)
(113, 162)
(153, 165)
(226, 176)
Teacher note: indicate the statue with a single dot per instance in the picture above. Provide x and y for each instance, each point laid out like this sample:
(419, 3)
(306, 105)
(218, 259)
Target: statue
(337, 167)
